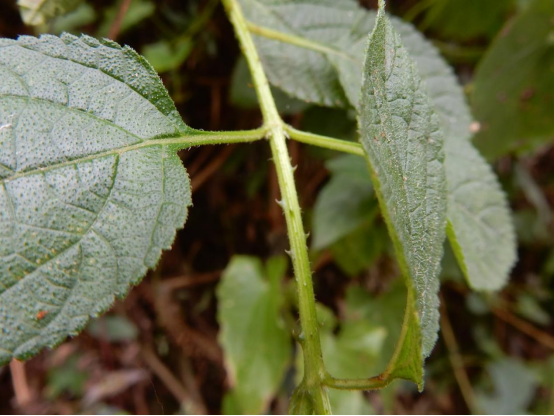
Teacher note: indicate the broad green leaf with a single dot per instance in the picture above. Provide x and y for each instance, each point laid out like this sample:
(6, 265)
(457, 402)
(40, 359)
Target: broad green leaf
(90, 193)
(40, 12)
(345, 202)
(334, 38)
(514, 84)
(401, 135)
(257, 348)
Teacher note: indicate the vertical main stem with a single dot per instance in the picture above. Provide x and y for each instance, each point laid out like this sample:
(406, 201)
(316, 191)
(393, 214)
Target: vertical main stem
(314, 370)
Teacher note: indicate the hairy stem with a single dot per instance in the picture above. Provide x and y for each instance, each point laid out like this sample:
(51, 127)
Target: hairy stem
(373, 383)
(192, 139)
(218, 137)
(326, 142)
(314, 371)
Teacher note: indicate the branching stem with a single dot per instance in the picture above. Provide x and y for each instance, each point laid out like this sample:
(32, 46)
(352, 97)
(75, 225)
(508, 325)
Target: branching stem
(314, 371)
(325, 142)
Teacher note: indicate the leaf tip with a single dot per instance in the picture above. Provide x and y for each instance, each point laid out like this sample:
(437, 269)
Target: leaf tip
(382, 5)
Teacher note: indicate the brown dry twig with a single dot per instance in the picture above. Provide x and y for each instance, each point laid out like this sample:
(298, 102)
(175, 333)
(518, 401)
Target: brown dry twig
(525, 327)
(116, 25)
(23, 394)
(171, 382)
(456, 360)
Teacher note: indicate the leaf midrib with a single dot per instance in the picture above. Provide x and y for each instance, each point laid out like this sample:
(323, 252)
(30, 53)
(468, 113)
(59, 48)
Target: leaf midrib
(157, 140)
(319, 47)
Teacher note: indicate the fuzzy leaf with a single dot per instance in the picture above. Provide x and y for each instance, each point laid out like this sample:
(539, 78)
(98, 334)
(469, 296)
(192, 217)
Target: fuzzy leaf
(302, 72)
(334, 38)
(401, 135)
(90, 189)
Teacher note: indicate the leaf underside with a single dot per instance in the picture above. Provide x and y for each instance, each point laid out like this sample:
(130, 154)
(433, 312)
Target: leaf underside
(400, 133)
(333, 78)
(86, 203)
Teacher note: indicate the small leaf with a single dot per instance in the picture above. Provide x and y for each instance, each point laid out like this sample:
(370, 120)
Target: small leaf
(90, 193)
(257, 348)
(40, 12)
(401, 136)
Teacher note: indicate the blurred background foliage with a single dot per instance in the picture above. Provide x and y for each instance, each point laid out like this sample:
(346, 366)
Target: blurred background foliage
(212, 329)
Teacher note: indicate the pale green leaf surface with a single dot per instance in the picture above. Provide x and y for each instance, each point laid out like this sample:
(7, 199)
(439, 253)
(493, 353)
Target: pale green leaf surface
(40, 12)
(257, 348)
(401, 135)
(303, 73)
(480, 228)
(482, 220)
(89, 193)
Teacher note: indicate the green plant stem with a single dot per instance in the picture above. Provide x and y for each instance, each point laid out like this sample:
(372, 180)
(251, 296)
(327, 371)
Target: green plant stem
(326, 142)
(217, 137)
(373, 383)
(314, 371)
(195, 138)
